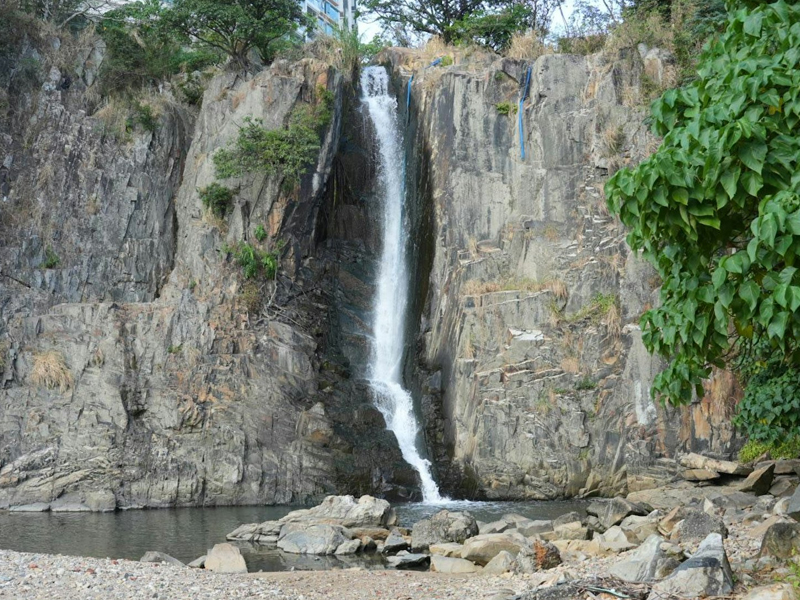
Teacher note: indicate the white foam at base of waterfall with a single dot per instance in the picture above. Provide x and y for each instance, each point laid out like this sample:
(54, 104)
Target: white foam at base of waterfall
(389, 323)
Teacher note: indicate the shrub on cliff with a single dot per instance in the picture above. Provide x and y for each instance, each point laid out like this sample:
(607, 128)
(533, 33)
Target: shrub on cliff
(717, 211)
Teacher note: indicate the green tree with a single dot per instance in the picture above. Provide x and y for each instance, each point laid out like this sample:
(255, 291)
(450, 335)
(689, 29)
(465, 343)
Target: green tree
(236, 27)
(717, 211)
(141, 50)
(466, 20)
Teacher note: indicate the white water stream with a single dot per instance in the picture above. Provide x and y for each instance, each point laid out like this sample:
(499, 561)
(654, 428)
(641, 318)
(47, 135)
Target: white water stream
(390, 309)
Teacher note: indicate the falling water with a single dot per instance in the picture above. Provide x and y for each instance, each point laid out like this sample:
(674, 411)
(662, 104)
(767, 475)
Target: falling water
(390, 305)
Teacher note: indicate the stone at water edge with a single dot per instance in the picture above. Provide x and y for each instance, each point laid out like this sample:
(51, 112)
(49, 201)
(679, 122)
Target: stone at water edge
(612, 512)
(759, 481)
(395, 543)
(502, 563)
(776, 591)
(483, 548)
(448, 564)
(648, 563)
(313, 539)
(531, 528)
(444, 526)
(346, 511)
(569, 517)
(406, 560)
(706, 573)
(225, 558)
(198, 563)
(781, 540)
(348, 547)
(159, 557)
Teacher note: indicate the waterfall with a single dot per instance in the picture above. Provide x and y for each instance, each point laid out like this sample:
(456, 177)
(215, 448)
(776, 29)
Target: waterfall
(389, 321)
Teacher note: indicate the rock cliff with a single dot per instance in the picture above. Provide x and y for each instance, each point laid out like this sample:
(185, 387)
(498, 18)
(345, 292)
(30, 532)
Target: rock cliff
(138, 367)
(533, 377)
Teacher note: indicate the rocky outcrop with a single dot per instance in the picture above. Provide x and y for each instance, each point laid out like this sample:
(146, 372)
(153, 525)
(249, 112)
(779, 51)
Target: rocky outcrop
(177, 381)
(534, 379)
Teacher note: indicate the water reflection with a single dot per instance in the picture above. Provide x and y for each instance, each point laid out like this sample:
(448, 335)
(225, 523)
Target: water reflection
(187, 533)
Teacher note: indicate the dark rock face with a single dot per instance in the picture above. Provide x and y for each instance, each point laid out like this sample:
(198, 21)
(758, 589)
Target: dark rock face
(781, 540)
(173, 391)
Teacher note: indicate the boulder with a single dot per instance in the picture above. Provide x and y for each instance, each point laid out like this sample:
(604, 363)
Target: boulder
(637, 529)
(368, 544)
(781, 506)
(261, 533)
(648, 563)
(502, 563)
(569, 517)
(446, 549)
(198, 563)
(376, 533)
(395, 542)
(405, 560)
(697, 525)
(539, 557)
(568, 531)
(776, 591)
(531, 528)
(613, 512)
(225, 558)
(697, 461)
(699, 475)
(706, 573)
(759, 481)
(781, 540)
(446, 526)
(448, 564)
(312, 539)
(793, 508)
(160, 557)
(348, 547)
(672, 518)
(614, 539)
(497, 526)
(783, 466)
(483, 548)
(347, 512)
(783, 487)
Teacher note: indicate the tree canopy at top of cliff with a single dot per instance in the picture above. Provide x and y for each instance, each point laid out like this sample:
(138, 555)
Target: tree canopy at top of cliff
(717, 211)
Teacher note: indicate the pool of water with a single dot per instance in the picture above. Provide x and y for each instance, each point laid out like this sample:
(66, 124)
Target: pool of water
(187, 533)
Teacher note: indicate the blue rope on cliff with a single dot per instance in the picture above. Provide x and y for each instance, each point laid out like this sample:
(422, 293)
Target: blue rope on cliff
(436, 62)
(408, 100)
(519, 112)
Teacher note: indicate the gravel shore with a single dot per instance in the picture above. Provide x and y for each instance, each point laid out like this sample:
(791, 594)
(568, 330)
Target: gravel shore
(46, 577)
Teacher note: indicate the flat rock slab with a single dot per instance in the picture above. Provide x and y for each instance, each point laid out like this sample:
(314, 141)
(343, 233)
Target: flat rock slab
(759, 481)
(483, 548)
(405, 560)
(698, 461)
(650, 562)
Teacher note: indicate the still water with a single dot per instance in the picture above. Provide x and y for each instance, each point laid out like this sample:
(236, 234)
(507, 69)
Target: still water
(187, 533)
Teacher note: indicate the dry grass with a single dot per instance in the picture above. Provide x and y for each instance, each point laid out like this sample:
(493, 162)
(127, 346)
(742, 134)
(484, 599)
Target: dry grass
(527, 46)
(435, 48)
(473, 287)
(614, 321)
(114, 117)
(612, 140)
(50, 371)
(570, 364)
(209, 218)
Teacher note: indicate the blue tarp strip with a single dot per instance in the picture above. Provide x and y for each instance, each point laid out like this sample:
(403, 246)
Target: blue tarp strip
(519, 112)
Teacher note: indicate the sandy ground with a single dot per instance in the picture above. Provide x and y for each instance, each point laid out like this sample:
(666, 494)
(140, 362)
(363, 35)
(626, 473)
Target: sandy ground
(46, 577)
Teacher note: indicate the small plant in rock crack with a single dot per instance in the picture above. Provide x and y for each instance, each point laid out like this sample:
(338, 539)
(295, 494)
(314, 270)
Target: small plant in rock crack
(51, 259)
(260, 233)
(217, 198)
